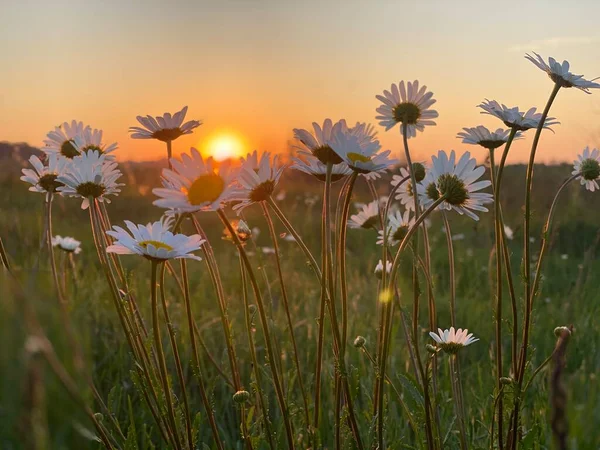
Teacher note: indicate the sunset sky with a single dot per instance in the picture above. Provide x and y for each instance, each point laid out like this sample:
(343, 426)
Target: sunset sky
(260, 68)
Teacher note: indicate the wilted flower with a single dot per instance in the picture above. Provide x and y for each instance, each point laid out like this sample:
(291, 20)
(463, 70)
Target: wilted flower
(559, 73)
(451, 341)
(195, 184)
(406, 106)
(513, 118)
(153, 241)
(67, 244)
(44, 178)
(164, 128)
(588, 166)
(90, 176)
(319, 144)
(480, 135)
(379, 268)
(367, 217)
(62, 140)
(397, 228)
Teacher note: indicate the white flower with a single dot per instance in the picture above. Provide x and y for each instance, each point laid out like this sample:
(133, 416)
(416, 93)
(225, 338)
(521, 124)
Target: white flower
(397, 228)
(513, 118)
(587, 165)
(67, 244)
(319, 143)
(312, 166)
(452, 341)
(44, 178)
(90, 140)
(508, 232)
(559, 73)
(379, 268)
(164, 128)
(480, 135)
(406, 106)
(195, 184)
(457, 181)
(268, 250)
(62, 139)
(360, 152)
(367, 217)
(405, 191)
(257, 179)
(153, 241)
(91, 175)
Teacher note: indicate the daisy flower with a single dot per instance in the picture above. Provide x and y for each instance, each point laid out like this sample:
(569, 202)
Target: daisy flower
(587, 165)
(195, 184)
(67, 244)
(451, 341)
(312, 166)
(165, 128)
(480, 135)
(406, 105)
(90, 176)
(397, 228)
(508, 232)
(257, 179)
(90, 140)
(405, 191)
(513, 118)
(457, 182)
(559, 73)
(44, 178)
(379, 268)
(360, 152)
(318, 144)
(62, 139)
(367, 217)
(153, 241)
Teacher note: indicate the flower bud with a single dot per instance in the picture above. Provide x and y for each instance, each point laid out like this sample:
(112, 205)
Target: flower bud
(252, 309)
(359, 342)
(506, 380)
(241, 397)
(558, 331)
(431, 349)
(419, 171)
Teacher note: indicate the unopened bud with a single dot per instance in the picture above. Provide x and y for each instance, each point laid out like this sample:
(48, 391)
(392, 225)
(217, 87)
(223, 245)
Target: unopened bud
(419, 170)
(359, 342)
(99, 417)
(252, 309)
(431, 348)
(558, 331)
(241, 397)
(506, 380)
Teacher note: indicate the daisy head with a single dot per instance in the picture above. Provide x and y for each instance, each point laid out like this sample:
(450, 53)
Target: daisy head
(62, 139)
(91, 176)
(367, 216)
(397, 228)
(559, 73)
(480, 135)
(67, 244)
(242, 230)
(515, 119)
(451, 341)
(404, 192)
(379, 268)
(361, 152)
(44, 178)
(257, 179)
(456, 182)
(312, 166)
(165, 128)
(587, 166)
(153, 241)
(91, 140)
(195, 184)
(318, 142)
(406, 105)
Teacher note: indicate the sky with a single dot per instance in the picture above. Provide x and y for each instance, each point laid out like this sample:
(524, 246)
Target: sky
(258, 69)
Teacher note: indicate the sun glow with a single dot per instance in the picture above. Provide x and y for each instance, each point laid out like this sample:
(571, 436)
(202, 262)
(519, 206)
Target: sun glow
(224, 145)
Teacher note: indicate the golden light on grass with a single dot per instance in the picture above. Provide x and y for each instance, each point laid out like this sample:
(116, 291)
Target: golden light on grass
(224, 144)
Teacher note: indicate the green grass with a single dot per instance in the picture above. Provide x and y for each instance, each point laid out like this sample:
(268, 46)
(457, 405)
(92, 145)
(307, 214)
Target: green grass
(569, 294)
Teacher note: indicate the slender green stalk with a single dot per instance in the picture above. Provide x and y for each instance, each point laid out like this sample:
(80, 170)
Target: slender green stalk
(452, 271)
(4, 256)
(266, 331)
(458, 404)
(286, 307)
(255, 365)
(164, 375)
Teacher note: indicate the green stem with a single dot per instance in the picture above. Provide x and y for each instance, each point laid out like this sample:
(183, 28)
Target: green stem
(4, 256)
(452, 273)
(456, 389)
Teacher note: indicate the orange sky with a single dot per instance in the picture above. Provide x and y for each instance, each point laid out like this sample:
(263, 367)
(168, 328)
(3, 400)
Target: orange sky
(262, 68)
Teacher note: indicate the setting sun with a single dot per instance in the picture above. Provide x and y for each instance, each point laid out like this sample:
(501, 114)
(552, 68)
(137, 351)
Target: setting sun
(224, 145)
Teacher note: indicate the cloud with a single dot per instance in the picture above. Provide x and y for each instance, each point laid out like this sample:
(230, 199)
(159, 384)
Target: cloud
(554, 43)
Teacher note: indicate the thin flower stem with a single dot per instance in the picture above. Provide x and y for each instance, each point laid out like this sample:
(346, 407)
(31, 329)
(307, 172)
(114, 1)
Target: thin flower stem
(406, 331)
(177, 358)
(536, 371)
(286, 306)
(4, 256)
(255, 365)
(452, 272)
(456, 390)
(169, 154)
(266, 330)
(164, 376)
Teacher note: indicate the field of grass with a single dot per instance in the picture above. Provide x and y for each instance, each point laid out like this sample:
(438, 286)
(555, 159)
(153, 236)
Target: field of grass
(37, 412)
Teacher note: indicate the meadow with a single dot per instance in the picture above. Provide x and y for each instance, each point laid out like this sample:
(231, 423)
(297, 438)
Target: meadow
(37, 411)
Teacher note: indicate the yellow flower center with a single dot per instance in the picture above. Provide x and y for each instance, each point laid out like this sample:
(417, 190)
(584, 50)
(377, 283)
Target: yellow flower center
(156, 244)
(206, 188)
(357, 157)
